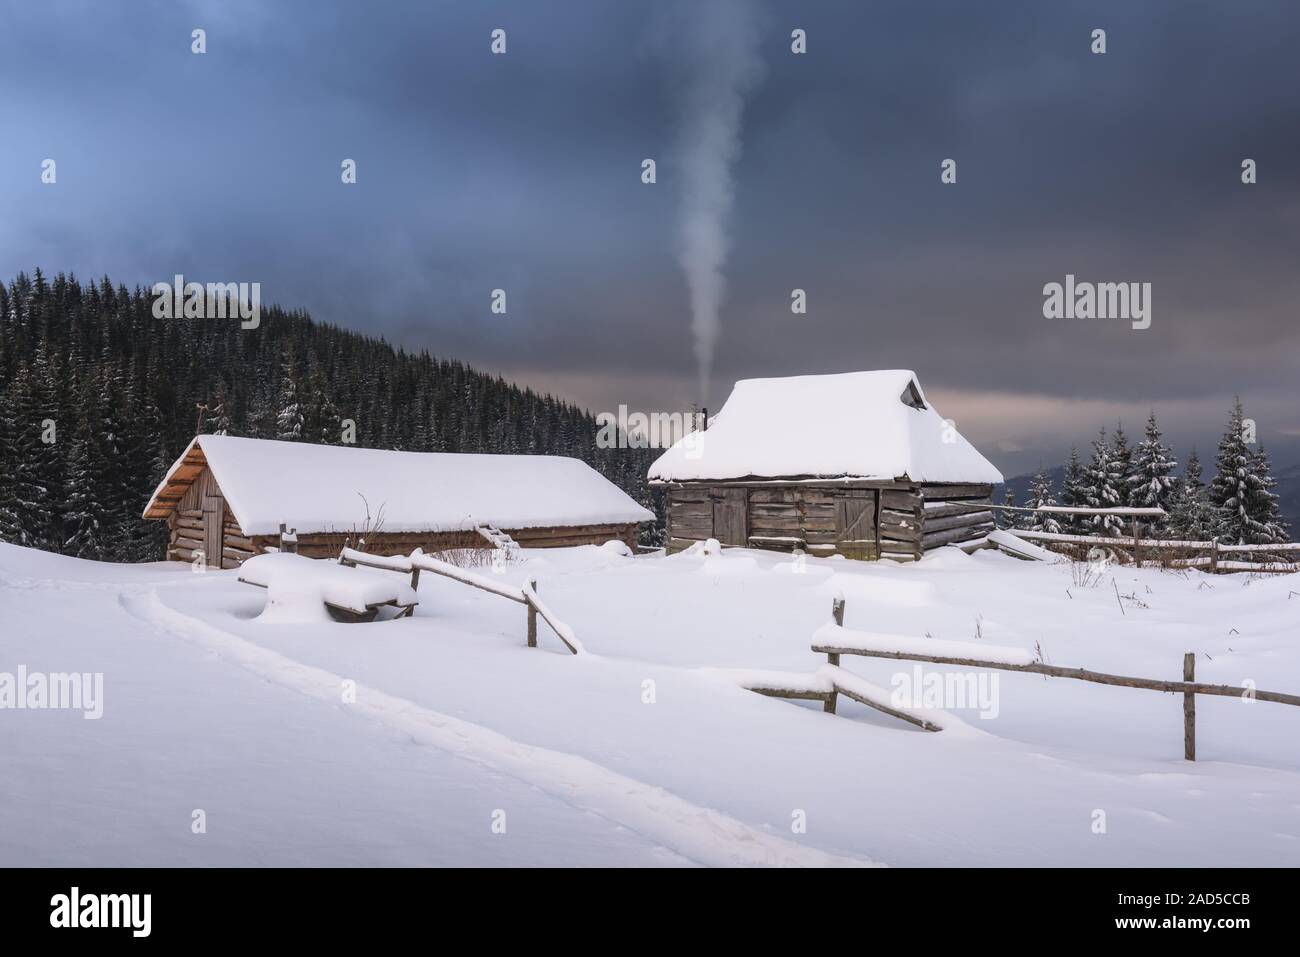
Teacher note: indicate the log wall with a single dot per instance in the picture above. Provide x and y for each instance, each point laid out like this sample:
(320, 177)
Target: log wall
(951, 513)
(863, 520)
(238, 547)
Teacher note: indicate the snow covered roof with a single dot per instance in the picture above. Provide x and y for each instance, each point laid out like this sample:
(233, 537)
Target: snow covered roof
(863, 425)
(319, 488)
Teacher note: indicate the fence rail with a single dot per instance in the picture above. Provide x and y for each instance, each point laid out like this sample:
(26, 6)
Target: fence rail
(834, 640)
(1213, 560)
(418, 562)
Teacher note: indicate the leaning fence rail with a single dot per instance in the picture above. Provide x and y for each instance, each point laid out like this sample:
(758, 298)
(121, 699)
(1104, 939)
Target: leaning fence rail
(418, 562)
(834, 640)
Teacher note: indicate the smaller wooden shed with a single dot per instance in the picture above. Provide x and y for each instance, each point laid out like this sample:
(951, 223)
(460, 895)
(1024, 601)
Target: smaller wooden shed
(225, 499)
(858, 464)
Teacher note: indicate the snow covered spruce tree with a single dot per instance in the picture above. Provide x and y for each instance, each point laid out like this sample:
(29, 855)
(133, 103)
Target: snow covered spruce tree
(1191, 518)
(289, 420)
(36, 467)
(1040, 494)
(1006, 517)
(1149, 481)
(100, 476)
(1104, 482)
(1121, 456)
(1242, 489)
(218, 418)
(11, 529)
(1074, 492)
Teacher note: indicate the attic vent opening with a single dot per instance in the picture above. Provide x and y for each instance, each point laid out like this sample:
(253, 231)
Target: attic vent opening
(912, 396)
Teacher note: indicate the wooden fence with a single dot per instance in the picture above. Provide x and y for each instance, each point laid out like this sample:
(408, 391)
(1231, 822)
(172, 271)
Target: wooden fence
(418, 562)
(843, 641)
(1176, 553)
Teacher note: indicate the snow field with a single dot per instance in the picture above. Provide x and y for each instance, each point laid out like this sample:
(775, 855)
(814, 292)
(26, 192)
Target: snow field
(643, 751)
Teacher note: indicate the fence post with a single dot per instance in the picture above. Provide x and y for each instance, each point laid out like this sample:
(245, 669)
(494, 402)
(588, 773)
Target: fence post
(1214, 557)
(532, 617)
(1137, 547)
(837, 612)
(833, 658)
(1189, 708)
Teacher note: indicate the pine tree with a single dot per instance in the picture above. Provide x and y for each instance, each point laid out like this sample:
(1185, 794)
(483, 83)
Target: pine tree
(38, 468)
(1040, 495)
(1006, 517)
(1104, 481)
(1271, 527)
(101, 478)
(1121, 457)
(1074, 492)
(1150, 481)
(289, 419)
(322, 423)
(1191, 518)
(219, 413)
(1242, 489)
(11, 528)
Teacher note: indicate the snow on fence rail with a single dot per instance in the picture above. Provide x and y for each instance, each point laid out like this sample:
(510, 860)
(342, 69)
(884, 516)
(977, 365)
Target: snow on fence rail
(833, 640)
(830, 681)
(1136, 542)
(1212, 561)
(418, 562)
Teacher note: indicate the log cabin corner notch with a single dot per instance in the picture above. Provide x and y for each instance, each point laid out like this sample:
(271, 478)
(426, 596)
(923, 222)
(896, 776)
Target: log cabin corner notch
(225, 498)
(857, 464)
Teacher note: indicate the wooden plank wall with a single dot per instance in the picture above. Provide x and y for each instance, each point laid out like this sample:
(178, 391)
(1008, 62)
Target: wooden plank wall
(690, 517)
(948, 516)
(826, 520)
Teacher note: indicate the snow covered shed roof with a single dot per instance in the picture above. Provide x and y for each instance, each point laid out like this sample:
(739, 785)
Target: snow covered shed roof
(875, 426)
(319, 488)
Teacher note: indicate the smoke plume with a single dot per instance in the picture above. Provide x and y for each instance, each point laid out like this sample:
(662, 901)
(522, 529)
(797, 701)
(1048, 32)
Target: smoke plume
(716, 63)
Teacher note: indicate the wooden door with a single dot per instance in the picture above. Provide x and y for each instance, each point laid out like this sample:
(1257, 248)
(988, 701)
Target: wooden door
(855, 524)
(730, 519)
(214, 510)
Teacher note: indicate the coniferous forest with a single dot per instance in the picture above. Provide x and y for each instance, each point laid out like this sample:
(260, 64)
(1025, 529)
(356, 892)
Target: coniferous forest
(98, 397)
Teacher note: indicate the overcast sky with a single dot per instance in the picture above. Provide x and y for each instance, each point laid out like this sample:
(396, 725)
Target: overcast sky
(522, 172)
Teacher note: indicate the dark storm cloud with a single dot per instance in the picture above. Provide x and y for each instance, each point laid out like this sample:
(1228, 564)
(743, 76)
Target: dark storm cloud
(522, 172)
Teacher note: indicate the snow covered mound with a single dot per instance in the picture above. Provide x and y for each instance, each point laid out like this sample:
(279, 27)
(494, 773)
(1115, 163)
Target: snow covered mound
(298, 588)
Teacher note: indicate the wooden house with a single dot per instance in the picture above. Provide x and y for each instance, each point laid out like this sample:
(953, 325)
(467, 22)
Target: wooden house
(226, 498)
(858, 464)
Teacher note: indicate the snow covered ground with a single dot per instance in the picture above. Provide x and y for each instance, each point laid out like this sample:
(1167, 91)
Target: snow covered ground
(443, 739)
